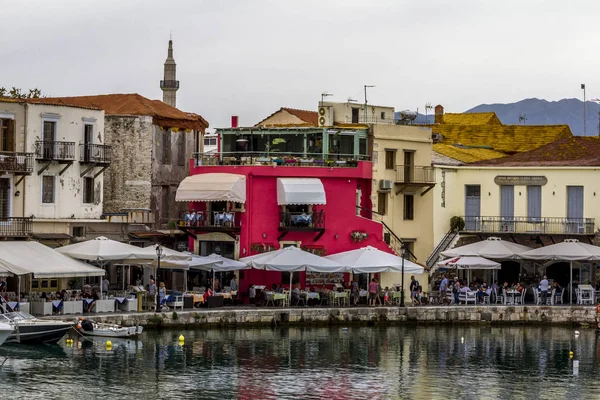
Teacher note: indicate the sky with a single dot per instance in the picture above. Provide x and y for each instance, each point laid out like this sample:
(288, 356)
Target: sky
(251, 57)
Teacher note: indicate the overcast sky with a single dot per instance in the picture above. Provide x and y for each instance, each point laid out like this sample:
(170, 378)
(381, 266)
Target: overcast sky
(250, 57)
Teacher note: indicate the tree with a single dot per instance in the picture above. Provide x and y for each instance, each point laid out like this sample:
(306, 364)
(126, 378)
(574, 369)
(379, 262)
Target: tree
(17, 93)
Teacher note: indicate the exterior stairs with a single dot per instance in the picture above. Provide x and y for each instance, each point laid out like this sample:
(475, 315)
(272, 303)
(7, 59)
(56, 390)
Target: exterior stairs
(448, 241)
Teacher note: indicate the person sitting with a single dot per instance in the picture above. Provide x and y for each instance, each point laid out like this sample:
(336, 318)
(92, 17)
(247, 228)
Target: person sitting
(418, 297)
(482, 292)
(87, 307)
(519, 288)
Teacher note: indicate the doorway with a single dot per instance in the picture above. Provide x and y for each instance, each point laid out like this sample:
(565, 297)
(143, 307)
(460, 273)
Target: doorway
(472, 207)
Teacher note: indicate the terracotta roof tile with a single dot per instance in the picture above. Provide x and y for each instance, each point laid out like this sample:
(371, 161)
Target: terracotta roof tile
(45, 101)
(131, 104)
(573, 151)
(466, 155)
(310, 118)
(484, 118)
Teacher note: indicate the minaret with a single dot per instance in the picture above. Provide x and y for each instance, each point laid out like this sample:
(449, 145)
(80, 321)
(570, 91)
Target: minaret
(170, 85)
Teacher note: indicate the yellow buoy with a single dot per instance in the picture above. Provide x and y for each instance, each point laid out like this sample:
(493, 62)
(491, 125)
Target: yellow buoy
(108, 344)
(181, 338)
(570, 354)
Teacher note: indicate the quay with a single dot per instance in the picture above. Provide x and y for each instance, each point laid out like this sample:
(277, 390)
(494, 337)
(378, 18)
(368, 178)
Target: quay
(241, 317)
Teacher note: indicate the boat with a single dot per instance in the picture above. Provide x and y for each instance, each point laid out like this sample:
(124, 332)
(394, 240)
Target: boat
(5, 331)
(31, 330)
(91, 328)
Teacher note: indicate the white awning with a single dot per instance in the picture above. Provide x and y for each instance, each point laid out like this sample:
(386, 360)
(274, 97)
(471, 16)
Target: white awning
(212, 187)
(300, 191)
(42, 261)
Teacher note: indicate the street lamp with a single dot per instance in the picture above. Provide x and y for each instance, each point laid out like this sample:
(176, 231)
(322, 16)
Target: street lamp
(403, 252)
(159, 253)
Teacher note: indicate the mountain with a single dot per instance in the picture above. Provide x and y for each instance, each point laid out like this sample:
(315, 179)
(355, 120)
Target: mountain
(543, 112)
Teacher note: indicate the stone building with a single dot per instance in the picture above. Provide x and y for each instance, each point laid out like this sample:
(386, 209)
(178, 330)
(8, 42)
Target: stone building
(152, 145)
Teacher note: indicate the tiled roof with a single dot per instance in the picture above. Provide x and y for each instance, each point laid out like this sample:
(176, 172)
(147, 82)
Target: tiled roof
(508, 139)
(440, 159)
(484, 118)
(45, 101)
(465, 154)
(310, 118)
(573, 151)
(132, 104)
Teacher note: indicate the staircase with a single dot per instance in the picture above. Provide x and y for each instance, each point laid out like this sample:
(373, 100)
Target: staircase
(395, 243)
(449, 240)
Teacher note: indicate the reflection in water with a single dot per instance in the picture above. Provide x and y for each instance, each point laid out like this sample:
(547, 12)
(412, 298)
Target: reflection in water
(300, 363)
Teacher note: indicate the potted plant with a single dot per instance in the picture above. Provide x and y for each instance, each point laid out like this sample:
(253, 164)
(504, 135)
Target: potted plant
(457, 223)
(172, 225)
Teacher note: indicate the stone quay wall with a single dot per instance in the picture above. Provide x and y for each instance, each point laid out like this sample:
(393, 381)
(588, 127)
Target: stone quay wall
(253, 317)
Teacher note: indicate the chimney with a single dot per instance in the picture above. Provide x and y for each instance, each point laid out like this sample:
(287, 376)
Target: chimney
(234, 121)
(439, 114)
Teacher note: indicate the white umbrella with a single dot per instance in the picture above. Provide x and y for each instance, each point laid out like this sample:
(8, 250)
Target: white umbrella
(168, 255)
(216, 262)
(470, 263)
(101, 249)
(493, 247)
(569, 250)
(371, 260)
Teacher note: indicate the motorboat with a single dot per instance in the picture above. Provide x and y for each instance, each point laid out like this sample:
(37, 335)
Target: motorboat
(91, 328)
(29, 329)
(5, 331)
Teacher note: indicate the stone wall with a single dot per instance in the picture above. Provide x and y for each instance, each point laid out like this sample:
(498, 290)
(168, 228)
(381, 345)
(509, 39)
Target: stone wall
(128, 181)
(249, 317)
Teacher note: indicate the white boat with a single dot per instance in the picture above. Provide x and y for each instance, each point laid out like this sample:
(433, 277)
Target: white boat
(5, 331)
(90, 328)
(29, 329)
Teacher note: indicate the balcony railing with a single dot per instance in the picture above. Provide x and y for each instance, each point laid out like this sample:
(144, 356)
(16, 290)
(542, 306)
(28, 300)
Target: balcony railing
(16, 162)
(279, 159)
(95, 153)
(415, 174)
(54, 151)
(300, 220)
(216, 219)
(169, 84)
(532, 225)
(15, 226)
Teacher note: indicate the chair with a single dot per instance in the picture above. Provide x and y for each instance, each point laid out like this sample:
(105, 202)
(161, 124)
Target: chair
(537, 299)
(300, 298)
(558, 297)
(270, 297)
(487, 299)
(471, 298)
(500, 298)
(285, 302)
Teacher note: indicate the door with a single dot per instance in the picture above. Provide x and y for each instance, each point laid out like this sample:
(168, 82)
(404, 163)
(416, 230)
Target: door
(88, 138)
(4, 199)
(408, 166)
(575, 209)
(48, 139)
(355, 112)
(507, 208)
(472, 207)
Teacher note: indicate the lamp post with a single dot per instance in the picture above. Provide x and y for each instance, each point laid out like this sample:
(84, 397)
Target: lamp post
(403, 252)
(159, 252)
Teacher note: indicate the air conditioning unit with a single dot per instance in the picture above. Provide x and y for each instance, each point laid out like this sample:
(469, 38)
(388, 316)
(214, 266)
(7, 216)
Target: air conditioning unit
(385, 184)
(325, 116)
(437, 137)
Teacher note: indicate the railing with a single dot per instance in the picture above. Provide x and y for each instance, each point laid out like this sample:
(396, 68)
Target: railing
(169, 84)
(54, 151)
(300, 220)
(415, 174)
(15, 226)
(216, 219)
(442, 246)
(372, 119)
(546, 225)
(16, 162)
(95, 153)
(288, 159)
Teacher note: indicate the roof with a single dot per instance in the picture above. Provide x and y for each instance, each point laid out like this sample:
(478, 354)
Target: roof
(441, 159)
(507, 139)
(46, 101)
(573, 151)
(466, 154)
(483, 118)
(310, 118)
(132, 104)
(51, 236)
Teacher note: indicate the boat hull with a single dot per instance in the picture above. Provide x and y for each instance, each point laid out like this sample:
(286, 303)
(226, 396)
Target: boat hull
(38, 333)
(5, 331)
(125, 332)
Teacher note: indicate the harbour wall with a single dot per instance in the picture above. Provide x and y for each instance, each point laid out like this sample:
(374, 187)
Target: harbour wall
(252, 317)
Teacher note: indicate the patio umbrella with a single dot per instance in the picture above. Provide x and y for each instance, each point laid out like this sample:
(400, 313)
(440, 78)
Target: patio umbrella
(216, 263)
(570, 250)
(101, 249)
(371, 260)
(470, 263)
(493, 247)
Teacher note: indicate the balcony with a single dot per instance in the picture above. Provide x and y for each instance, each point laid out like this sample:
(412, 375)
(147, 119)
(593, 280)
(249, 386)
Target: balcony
(15, 227)
(409, 177)
(55, 151)
(527, 225)
(216, 221)
(16, 162)
(300, 221)
(95, 154)
(287, 159)
(169, 84)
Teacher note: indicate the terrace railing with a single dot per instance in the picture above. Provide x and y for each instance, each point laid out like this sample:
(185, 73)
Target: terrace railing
(95, 153)
(300, 220)
(415, 174)
(279, 159)
(54, 150)
(543, 225)
(16, 162)
(15, 226)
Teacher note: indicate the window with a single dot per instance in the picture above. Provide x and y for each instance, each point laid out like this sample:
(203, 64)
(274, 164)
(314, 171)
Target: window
(210, 141)
(390, 159)
(48, 189)
(7, 135)
(166, 147)
(49, 131)
(409, 207)
(5, 198)
(78, 231)
(383, 115)
(181, 156)
(88, 190)
(382, 203)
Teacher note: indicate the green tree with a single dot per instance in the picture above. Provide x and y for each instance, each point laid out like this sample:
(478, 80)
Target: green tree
(17, 93)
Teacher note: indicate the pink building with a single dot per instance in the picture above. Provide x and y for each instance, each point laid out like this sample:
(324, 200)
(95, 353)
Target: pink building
(248, 202)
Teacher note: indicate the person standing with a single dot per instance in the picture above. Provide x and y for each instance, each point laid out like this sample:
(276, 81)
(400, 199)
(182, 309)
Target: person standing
(414, 285)
(105, 285)
(443, 289)
(373, 292)
(152, 293)
(233, 284)
(544, 289)
(162, 296)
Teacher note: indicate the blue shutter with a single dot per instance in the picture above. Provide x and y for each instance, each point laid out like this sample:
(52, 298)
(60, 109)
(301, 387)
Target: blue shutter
(534, 203)
(574, 201)
(507, 201)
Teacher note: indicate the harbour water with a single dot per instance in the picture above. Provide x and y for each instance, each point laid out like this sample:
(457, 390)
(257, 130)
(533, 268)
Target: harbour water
(397, 362)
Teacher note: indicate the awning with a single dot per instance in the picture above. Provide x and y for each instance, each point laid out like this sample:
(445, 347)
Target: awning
(42, 261)
(51, 236)
(212, 187)
(300, 191)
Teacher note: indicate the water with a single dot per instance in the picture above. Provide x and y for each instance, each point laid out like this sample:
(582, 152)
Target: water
(313, 363)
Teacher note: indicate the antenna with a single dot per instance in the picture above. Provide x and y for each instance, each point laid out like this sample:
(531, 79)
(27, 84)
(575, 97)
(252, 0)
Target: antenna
(428, 107)
(351, 100)
(323, 95)
(367, 86)
(522, 119)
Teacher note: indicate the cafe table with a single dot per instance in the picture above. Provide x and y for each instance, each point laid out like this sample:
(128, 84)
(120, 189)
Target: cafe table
(72, 307)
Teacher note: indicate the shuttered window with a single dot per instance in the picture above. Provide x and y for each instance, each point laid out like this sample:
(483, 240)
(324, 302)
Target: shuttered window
(534, 202)
(88, 190)
(48, 189)
(409, 207)
(4, 198)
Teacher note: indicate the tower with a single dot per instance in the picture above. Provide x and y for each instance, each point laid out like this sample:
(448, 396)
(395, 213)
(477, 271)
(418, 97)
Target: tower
(170, 85)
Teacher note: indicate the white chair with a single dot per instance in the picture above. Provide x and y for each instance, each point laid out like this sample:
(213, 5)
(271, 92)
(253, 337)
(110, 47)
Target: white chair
(558, 297)
(471, 298)
(487, 299)
(500, 298)
(537, 300)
